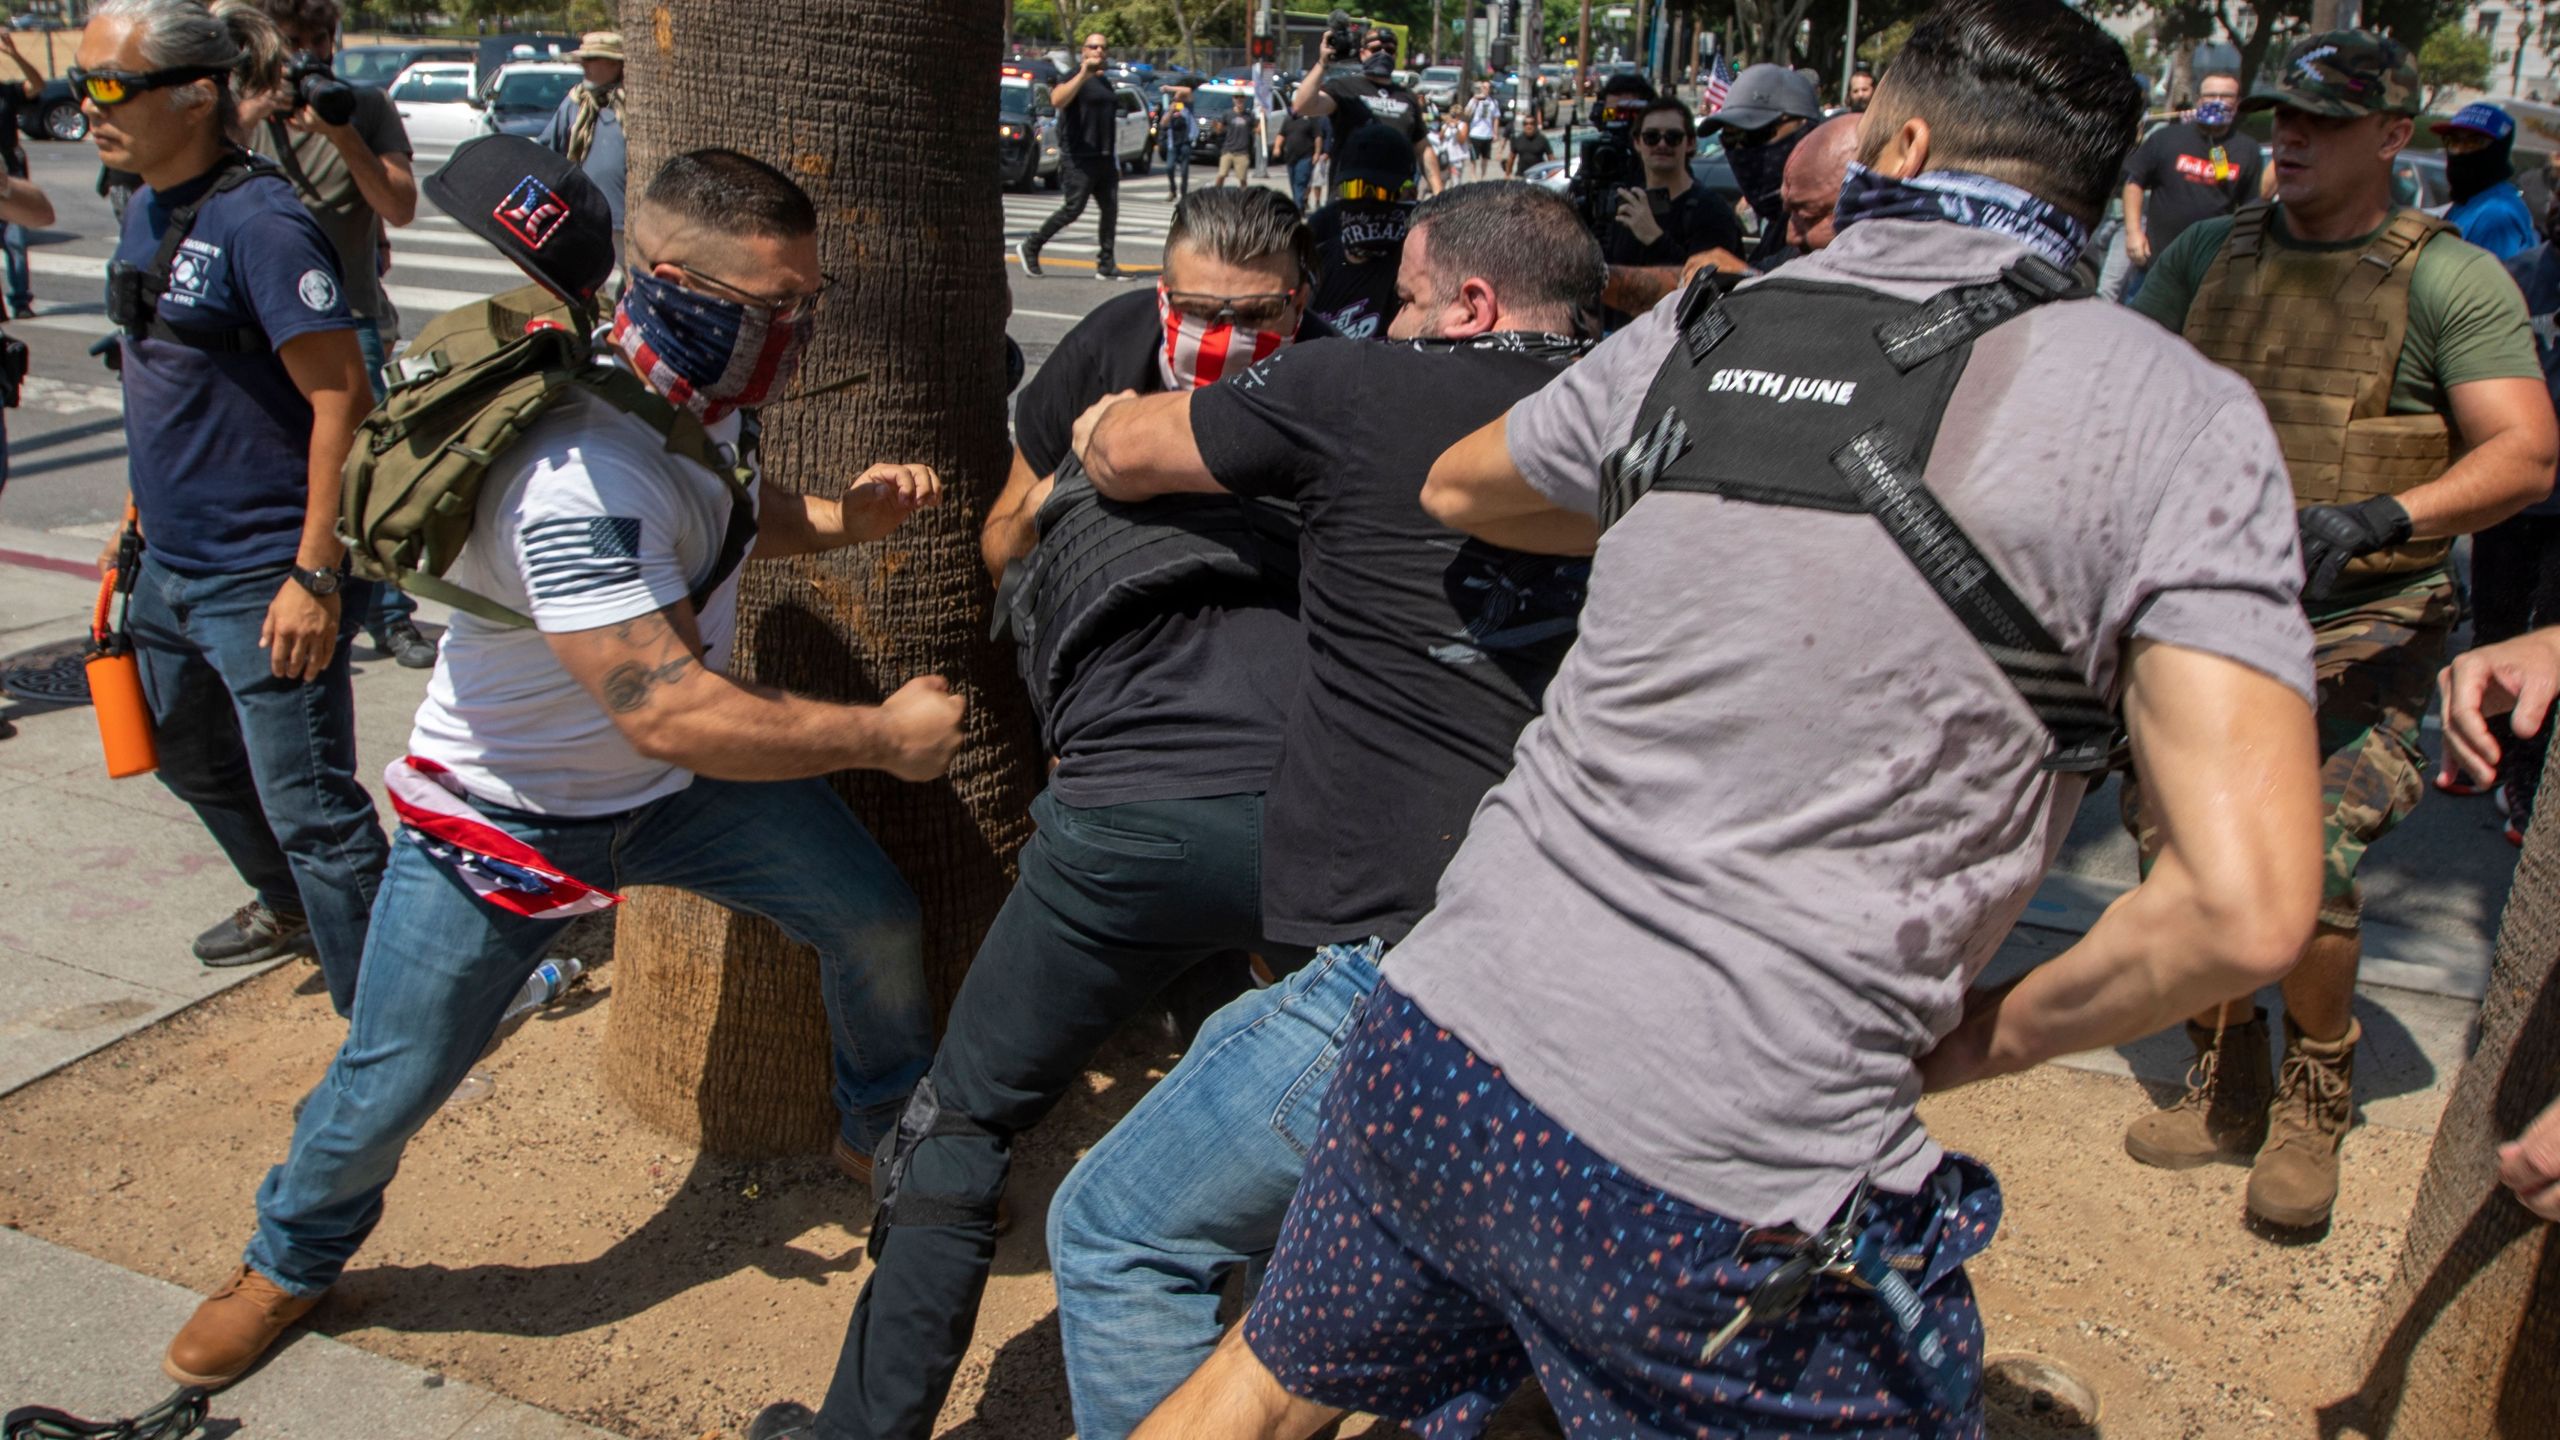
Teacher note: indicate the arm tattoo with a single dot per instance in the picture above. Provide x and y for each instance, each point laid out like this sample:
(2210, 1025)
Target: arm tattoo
(628, 686)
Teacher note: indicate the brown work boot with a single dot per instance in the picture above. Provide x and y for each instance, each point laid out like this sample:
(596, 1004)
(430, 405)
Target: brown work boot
(2295, 1181)
(231, 1329)
(855, 1165)
(2223, 1115)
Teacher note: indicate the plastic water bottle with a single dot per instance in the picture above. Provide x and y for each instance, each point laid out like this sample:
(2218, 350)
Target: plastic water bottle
(540, 988)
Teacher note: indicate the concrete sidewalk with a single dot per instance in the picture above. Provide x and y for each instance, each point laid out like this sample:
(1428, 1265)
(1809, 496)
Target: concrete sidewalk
(84, 1336)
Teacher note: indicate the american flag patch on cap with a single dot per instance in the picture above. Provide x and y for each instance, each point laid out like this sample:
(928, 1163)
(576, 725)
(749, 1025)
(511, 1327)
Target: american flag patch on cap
(531, 212)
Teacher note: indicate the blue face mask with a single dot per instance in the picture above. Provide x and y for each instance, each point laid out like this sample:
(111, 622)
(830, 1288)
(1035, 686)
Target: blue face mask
(705, 353)
(2214, 114)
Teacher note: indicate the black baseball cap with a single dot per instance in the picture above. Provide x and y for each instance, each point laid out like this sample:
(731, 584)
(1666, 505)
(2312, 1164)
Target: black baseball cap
(536, 206)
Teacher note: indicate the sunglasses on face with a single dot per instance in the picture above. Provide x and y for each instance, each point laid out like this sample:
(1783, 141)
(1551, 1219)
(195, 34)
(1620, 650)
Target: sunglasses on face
(1255, 311)
(1372, 190)
(1666, 138)
(1750, 138)
(114, 87)
(788, 310)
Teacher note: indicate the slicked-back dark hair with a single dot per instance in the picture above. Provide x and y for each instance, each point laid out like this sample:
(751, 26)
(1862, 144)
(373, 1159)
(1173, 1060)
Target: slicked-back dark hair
(1241, 226)
(1523, 240)
(734, 194)
(2027, 91)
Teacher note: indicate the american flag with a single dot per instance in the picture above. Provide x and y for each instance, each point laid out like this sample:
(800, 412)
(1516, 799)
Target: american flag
(1719, 80)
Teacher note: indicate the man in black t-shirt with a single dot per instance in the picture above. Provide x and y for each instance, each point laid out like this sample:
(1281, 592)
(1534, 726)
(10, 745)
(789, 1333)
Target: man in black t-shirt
(1360, 236)
(1366, 95)
(1089, 141)
(1528, 148)
(1427, 652)
(1304, 140)
(1144, 871)
(2186, 171)
(1673, 218)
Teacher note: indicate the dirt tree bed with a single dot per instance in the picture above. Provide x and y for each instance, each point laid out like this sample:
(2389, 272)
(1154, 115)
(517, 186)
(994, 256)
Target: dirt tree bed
(542, 1244)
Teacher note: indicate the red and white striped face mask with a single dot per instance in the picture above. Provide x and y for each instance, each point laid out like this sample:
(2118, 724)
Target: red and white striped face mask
(1199, 352)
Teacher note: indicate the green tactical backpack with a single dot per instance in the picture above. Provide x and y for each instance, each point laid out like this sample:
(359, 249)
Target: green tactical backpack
(468, 387)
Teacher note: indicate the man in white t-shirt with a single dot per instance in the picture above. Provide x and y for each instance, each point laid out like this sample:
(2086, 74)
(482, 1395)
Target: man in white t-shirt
(607, 746)
(1484, 121)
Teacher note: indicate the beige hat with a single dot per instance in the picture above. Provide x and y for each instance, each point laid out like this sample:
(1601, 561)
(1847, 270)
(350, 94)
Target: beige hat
(599, 45)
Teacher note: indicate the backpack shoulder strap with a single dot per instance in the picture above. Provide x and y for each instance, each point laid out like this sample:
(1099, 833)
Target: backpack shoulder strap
(686, 437)
(236, 168)
(289, 162)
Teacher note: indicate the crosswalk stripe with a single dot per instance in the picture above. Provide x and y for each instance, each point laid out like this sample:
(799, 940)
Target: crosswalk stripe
(412, 299)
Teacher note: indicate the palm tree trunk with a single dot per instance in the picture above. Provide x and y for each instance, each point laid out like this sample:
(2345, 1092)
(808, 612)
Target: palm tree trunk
(882, 109)
(2468, 1339)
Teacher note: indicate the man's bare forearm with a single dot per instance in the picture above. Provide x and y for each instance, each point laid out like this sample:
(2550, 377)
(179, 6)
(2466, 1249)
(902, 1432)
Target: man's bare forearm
(674, 709)
(391, 190)
(2504, 475)
(334, 416)
(1634, 289)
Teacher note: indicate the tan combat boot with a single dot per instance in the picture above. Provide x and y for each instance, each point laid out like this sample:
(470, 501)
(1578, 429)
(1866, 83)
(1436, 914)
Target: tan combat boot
(2295, 1181)
(2223, 1115)
(232, 1328)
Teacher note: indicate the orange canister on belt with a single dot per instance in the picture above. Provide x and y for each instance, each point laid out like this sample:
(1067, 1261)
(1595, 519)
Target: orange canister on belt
(115, 676)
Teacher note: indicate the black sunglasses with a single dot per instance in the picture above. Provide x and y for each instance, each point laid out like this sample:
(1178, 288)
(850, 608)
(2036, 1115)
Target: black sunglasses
(114, 87)
(1664, 138)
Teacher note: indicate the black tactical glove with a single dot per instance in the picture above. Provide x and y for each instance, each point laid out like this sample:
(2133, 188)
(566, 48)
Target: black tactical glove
(2332, 535)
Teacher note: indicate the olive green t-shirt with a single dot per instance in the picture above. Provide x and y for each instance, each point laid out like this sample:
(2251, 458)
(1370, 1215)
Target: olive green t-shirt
(2467, 319)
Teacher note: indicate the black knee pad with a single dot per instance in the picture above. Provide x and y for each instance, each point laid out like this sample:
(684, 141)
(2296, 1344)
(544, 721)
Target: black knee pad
(895, 1202)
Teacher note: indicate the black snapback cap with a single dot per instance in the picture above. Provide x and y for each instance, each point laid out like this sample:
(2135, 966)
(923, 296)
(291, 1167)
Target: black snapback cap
(536, 206)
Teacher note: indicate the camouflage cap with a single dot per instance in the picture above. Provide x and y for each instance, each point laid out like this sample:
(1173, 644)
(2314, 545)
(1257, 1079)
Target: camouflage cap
(2345, 73)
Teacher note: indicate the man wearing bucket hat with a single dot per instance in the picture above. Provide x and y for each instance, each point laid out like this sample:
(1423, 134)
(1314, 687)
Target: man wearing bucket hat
(588, 125)
(604, 744)
(2398, 365)
(2479, 164)
(1767, 110)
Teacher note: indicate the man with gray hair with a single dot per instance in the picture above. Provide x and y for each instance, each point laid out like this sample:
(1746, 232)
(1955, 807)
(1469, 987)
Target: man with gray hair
(1427, 653)
(1161, 683)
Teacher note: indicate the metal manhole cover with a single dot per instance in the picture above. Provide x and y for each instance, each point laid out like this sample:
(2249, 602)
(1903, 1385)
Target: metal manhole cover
(48, 674)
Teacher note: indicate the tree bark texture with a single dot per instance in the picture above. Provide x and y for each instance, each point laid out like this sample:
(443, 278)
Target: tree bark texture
(882, 110)
(2467, 1345)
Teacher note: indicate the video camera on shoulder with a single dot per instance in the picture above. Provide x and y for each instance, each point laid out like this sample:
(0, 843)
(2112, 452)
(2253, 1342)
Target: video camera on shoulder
(1342, 36)
(318, 89)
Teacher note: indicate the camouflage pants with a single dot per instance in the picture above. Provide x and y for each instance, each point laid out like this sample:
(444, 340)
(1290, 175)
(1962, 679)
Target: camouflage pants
(2376, 655)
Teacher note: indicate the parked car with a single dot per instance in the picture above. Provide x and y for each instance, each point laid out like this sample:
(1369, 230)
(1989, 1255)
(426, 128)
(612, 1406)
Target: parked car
(2417, 178)
(1026, 125)
(436, 105)
(1438, 86)
(1213, 108)
(55, 115)
(521, 97)
(496, 52)
(379, 65)
(1137, 134)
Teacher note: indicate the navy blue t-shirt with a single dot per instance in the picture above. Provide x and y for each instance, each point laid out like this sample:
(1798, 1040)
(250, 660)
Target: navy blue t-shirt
(219, 444)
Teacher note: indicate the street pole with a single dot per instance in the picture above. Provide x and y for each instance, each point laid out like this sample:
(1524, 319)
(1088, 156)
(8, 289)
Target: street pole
(1434, 48)
(1582, 50)
(1849, 59)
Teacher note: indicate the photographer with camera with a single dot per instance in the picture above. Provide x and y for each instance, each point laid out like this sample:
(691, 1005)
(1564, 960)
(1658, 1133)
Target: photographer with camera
(1367, 94)
(1671, 217)
(347, 154)
(1769, 109)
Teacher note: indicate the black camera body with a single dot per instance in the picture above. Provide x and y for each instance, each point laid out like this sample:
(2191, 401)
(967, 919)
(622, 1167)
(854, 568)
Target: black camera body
(1342, 37)
(318, 89)
(1609, 164)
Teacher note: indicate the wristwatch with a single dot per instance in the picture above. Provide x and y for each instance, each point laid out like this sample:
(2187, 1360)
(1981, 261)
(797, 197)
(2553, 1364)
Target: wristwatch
(319, 582)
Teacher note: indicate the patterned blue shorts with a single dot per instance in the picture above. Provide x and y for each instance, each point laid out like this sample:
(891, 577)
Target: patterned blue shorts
(1450, 1240)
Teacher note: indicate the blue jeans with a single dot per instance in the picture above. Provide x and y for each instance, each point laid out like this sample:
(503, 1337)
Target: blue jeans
(22, 288)
(268, 763)
(377, 604)
(1192, 1185)
(1302, 173)
(443, 964)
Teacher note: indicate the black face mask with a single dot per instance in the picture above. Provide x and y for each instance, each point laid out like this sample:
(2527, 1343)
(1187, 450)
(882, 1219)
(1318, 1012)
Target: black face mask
(1379, 66)
(2468, 175)
(1759, 169)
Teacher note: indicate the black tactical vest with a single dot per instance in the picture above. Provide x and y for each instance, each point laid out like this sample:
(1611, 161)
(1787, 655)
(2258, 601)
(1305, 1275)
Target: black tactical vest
(1829, 397)
(1103, 566)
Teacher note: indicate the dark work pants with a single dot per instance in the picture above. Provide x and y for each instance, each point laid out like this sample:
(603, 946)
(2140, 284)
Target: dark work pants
(1086, 177)
(1114, 903)
(1177, 170)
(2515, 586)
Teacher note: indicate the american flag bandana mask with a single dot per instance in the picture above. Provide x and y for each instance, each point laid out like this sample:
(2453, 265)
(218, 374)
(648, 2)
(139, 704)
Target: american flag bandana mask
(1199, 352)
(498, 867)
(704, 353)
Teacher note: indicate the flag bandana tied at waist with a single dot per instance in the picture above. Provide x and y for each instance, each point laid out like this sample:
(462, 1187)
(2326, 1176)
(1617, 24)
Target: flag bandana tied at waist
(498, 867)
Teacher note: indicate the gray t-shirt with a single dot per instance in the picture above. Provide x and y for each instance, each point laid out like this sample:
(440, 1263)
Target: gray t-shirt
(353, 227)
(1781, 807)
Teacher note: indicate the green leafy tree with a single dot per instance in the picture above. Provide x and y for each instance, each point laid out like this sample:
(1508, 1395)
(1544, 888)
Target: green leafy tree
(2452, 58)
